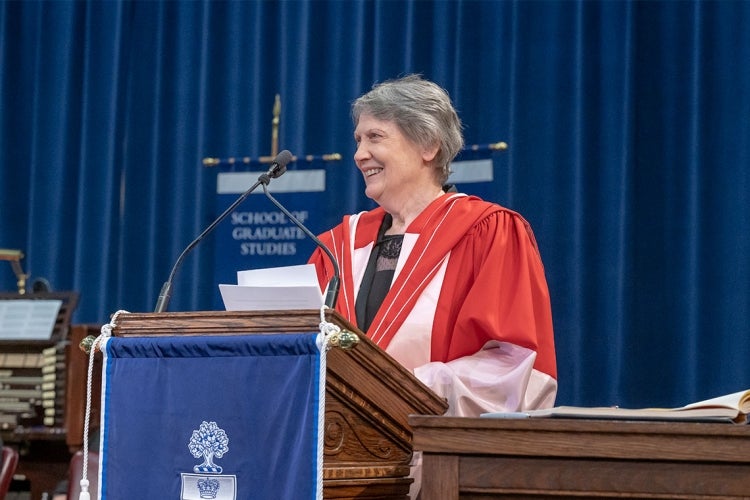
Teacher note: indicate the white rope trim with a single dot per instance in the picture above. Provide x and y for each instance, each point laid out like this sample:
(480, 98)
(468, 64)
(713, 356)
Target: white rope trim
(106, 332)
(323, 341)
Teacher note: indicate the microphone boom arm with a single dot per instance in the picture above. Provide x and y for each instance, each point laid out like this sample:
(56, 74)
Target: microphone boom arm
(277, 168)
(333, 285)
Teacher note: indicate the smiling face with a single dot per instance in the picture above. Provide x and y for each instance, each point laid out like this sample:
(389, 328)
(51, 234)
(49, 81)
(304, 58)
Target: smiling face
(396, 170)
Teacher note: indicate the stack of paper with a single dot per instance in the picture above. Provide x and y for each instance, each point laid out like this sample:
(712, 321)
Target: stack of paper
(276, 288)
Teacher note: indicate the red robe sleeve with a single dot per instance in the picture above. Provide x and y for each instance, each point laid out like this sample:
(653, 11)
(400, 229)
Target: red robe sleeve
(495, 289)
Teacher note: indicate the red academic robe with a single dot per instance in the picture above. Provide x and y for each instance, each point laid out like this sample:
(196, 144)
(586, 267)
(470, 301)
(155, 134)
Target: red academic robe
(470, 272)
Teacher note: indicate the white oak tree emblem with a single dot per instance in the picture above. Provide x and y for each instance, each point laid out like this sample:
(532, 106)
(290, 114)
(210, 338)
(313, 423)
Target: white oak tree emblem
(208, 441)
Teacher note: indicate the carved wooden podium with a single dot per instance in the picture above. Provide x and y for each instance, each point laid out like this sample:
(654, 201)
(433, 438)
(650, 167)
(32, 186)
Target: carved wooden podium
(369, 396)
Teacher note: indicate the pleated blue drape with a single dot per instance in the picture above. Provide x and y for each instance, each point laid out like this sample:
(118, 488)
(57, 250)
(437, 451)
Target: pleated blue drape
(627, 124)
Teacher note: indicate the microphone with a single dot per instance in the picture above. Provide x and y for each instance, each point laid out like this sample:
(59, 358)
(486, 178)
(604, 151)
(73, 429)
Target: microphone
(333, 285)
(278, 167)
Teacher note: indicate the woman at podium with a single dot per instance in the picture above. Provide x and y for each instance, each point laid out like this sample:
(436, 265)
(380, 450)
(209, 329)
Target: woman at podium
(449, 285)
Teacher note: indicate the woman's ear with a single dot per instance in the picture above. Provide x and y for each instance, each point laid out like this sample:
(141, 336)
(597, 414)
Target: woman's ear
(430, 152)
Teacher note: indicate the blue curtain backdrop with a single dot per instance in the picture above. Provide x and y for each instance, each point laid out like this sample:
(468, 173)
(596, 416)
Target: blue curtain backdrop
(628, 126)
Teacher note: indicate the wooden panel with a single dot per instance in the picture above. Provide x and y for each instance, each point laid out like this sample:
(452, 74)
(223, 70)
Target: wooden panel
(602, 477)
(568, 458)
(367, 489)
(77, 376)
(585, 438)
(215, 323)
(440, 477)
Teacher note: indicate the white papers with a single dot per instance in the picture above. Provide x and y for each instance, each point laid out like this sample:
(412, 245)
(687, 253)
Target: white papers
(22, 319)
(275, 288)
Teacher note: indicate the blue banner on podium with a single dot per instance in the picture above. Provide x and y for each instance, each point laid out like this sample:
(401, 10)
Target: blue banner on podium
(217, 417)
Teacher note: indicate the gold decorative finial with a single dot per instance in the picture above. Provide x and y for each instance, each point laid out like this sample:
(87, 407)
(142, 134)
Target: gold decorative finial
(86, 344)
(344, 339)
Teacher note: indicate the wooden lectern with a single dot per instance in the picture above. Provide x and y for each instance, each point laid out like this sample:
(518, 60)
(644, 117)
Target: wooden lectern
(369, 396)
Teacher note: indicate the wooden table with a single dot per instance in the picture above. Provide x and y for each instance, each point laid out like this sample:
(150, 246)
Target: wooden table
(473, 458)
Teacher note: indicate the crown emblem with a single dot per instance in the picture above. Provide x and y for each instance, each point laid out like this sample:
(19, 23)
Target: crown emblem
(208, 487)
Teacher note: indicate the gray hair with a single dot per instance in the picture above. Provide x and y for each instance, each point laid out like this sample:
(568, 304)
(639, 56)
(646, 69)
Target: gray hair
(422, 110)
